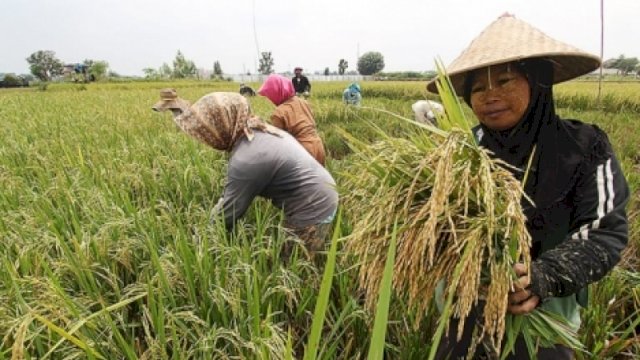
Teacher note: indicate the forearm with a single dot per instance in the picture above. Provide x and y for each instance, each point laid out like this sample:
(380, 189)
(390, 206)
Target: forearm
(570, 267)
(219, 215)
(240, 189)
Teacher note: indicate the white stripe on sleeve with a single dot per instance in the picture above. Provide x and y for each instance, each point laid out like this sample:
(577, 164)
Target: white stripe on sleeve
(604, 183)
(610, 187)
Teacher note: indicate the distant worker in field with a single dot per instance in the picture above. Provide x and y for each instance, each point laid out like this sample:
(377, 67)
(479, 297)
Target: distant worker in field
(293, 114)
(301, 84)
(575, 193)
(246, 90)
(352, 95)
(425, 111)
(263, 161)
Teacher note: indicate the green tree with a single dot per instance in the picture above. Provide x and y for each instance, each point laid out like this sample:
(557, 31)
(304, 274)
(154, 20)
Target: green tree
(266, 63)
(370, 63)
(165, 71)
(342, 66)
(10, 80)
(327, 71)
(151, 73)
(217, 69)
(623, 64)
(183, 68)
(98, 70)
(628, 65)
(610, 63)
(44, 65)
(95, 69)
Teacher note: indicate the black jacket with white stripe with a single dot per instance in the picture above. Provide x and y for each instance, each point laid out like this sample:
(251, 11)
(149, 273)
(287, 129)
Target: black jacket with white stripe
(578, 238)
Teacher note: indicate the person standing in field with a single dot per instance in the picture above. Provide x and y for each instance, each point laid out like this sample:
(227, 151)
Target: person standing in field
(263, 161)
(577, 217)
(293, 114)
(301, 83)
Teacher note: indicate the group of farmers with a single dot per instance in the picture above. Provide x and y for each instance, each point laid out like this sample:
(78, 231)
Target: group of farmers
(576, 191)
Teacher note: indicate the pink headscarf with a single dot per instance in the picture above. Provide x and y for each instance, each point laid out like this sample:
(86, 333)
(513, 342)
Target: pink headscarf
(277, 88)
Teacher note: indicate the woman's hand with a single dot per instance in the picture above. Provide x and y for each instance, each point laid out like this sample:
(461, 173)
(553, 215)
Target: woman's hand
(522, 300)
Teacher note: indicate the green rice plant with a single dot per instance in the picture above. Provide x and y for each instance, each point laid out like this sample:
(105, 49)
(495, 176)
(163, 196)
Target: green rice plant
(311, 350)
(461, 223)
(99, 197)
(612, 319)
(376, 348)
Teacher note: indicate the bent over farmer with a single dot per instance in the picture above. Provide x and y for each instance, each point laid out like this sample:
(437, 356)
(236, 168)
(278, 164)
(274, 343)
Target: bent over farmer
(263, 161)
(293, 114)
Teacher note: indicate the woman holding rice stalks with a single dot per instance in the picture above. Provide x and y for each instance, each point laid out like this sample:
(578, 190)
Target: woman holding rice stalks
(577, 191)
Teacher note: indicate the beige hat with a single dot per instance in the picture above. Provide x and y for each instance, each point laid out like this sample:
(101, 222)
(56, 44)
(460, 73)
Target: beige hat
(509, 39)
(169, 100)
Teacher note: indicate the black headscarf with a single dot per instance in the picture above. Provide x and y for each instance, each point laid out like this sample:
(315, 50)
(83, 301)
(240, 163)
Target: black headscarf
(558, 152)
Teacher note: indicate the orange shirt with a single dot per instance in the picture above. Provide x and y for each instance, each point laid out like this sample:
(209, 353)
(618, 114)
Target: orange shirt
(295, 117)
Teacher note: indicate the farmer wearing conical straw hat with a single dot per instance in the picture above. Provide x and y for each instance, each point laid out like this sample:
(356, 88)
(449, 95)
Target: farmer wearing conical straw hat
(577, 219)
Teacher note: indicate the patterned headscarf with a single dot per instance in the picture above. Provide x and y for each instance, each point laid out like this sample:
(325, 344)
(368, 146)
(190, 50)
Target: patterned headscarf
(220, 119)
(277, 88)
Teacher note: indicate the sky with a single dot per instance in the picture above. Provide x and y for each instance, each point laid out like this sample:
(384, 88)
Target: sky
(135, 34)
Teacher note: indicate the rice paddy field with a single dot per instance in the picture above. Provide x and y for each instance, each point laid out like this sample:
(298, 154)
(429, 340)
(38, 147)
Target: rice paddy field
(107, 252)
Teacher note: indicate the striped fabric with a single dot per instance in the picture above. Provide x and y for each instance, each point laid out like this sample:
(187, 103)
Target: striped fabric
(605, 199)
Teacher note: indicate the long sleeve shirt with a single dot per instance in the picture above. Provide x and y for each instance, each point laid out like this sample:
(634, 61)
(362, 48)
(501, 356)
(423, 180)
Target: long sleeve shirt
(280, 169)
(295, 117)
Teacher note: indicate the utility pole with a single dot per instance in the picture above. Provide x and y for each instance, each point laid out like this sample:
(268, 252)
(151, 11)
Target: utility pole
(601, 49)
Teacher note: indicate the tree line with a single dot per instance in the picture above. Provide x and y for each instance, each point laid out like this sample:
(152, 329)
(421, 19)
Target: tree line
(369, 63)
(45, 66)
(624, 65)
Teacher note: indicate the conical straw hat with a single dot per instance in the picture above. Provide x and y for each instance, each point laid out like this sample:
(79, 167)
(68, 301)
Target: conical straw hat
(169, 100)
(509, 39)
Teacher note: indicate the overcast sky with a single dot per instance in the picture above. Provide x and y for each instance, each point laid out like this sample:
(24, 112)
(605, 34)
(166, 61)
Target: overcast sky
(134, 34)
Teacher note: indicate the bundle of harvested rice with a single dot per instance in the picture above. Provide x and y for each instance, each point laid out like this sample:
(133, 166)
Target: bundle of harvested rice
(460, 223)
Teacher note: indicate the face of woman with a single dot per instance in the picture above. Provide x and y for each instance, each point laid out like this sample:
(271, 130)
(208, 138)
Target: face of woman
(499, 96)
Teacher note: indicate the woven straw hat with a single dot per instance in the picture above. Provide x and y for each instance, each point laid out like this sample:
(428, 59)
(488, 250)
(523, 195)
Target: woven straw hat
(509, 39)
(168, 100)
